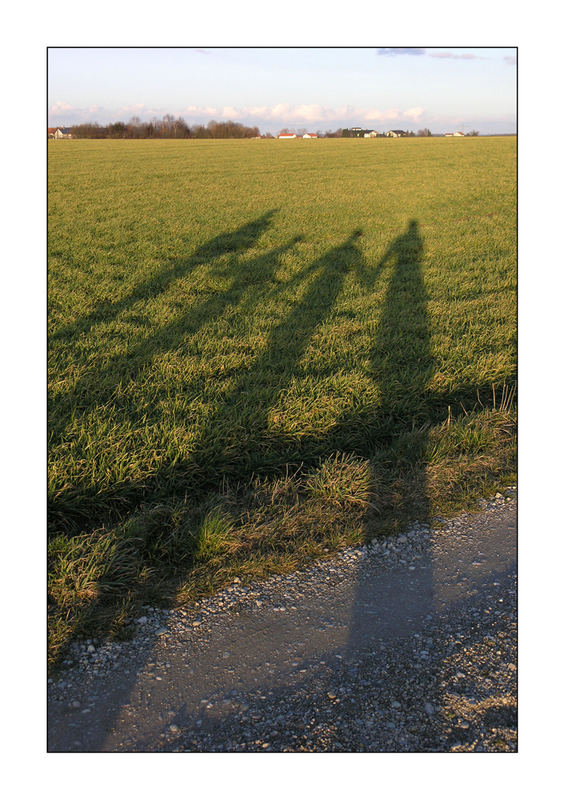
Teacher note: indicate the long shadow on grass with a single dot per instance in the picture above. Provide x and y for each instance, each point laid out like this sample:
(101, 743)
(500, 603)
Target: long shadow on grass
(131, 560)
(107, 386)
(110, 383)
(402, 363)
(382, 607)
(138, 557)
(234, 242)
(389, 615)
(105, 383)
(402, 366)
(235, 440)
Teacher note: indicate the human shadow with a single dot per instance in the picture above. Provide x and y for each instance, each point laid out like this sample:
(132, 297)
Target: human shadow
(230, 242)
(400, 358)
(214, 458)
(391, 613)
(106, 385)
(395, 685)
(402, 365)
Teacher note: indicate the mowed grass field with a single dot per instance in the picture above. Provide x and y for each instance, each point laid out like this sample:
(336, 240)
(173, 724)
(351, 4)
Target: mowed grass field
(260, 351)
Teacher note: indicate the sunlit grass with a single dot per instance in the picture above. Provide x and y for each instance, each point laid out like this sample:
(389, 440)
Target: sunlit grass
(228, 312)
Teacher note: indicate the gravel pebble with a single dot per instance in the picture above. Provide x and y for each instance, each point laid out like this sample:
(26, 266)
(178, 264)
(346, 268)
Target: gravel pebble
(432, 671)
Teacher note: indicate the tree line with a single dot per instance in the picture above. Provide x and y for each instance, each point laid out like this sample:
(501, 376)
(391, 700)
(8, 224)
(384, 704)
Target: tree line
(170, 127)
(166, 128)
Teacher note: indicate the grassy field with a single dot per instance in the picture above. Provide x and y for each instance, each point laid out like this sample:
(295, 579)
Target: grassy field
(260, 351)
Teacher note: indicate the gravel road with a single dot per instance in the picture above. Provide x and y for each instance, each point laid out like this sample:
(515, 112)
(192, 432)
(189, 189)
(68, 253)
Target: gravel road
(407, 644)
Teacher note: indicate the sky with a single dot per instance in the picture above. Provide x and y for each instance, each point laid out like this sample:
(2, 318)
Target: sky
(443, 89)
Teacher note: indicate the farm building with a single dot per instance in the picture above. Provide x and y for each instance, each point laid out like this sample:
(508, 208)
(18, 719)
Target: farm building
(396, 134)
(59, 133)
(287, 136)
(310, 136)
(358, 133)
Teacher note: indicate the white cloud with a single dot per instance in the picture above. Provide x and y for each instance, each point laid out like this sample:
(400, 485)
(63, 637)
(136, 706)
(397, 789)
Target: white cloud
(280, 114)
(466, 56)
(414, 113)
(313, 113)
(136, 107)
(59, 107)
(280, 111)
(200, 111)
(401, 51)
(310, 113)
(229, 112)
(377, 114)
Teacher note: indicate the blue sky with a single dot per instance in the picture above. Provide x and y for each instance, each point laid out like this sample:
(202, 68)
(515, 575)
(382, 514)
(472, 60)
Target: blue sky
(443, 89)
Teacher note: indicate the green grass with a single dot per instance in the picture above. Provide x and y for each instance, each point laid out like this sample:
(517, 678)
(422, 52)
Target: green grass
(260, 351)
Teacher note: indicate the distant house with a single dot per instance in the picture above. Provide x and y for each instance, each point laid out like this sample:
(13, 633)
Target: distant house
(358, 133)
(287, 136)
(310, 136)
(59, 133)
(370, 134)
(458, 133)
(396, 134)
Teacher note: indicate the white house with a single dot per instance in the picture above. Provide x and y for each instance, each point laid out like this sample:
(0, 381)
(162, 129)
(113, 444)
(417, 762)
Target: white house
(370, 135)
(287, 136)
(310, 136)
(59, 133)
(396, 134)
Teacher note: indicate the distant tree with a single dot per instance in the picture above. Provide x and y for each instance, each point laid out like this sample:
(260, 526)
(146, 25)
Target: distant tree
(117, 130)
(199, 132)
(473, 133)
(89, 130)
(166, 128)
(424, 132)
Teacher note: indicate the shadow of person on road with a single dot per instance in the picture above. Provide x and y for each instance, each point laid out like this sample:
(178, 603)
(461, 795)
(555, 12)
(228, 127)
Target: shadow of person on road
(384, 608)
(379, 642)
